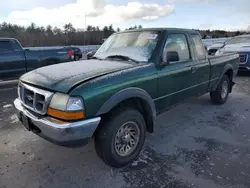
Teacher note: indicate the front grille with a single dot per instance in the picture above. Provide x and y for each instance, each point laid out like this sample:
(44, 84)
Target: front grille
(34, 99)
(243, 58)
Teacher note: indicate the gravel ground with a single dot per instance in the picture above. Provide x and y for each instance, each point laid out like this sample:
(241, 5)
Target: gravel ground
(196, 144)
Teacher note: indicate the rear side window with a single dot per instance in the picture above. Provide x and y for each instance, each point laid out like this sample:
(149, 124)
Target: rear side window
(178, 43)
(198, 46)
(5, 46)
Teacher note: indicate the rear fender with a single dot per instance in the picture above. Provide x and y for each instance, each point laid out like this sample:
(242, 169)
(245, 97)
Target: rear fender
(228, 67)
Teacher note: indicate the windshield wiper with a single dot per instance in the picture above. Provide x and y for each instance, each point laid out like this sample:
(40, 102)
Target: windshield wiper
(94, 57)
(127, 58)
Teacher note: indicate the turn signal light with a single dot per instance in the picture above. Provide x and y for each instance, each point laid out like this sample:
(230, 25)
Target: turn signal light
(70, 115)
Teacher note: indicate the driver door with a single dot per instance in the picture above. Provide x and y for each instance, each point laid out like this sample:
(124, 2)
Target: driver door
(175, 80)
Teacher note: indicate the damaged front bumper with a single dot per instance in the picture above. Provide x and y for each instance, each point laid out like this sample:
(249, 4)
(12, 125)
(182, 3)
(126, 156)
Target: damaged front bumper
(69, 134)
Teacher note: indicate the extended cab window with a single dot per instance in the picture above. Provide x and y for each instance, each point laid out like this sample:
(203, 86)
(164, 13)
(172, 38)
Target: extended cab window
(5, 46)
(198, 46)
(16, 46)
(178, 43)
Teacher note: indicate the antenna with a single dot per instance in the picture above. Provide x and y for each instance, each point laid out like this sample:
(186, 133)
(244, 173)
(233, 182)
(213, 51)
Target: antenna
(85, 20)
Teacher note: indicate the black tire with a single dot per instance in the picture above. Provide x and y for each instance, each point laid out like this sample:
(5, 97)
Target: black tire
(217, 96)
(105, 136)
(77, 58)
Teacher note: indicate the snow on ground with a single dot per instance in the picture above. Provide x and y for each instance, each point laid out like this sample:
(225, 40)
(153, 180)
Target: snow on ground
(14, 119)
(7, 106)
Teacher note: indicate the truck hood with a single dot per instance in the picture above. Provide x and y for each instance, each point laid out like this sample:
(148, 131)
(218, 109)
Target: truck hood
(62, 77)
(215, 46)
(243, 47)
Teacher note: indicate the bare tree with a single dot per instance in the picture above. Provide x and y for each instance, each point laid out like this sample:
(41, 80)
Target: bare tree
(54, 36)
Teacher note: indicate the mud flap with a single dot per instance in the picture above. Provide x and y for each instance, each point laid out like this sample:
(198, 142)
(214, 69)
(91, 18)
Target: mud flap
(231, 86)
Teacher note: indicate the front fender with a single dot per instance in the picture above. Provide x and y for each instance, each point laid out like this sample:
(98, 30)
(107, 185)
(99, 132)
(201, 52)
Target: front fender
(124, 94)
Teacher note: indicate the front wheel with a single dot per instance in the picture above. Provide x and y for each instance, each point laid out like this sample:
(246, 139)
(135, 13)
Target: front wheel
(120, 139)
(220, 95)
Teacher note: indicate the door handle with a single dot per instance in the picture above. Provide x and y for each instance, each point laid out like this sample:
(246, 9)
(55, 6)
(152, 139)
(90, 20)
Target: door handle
(194, 69)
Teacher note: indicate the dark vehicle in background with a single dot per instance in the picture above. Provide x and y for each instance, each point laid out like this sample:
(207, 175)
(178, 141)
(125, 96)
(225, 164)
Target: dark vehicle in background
(16, 60)
(76, 52)
(240, 45)
(115, 97)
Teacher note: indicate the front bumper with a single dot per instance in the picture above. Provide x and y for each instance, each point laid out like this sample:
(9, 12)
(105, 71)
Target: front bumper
(244, 68)
(69, 134)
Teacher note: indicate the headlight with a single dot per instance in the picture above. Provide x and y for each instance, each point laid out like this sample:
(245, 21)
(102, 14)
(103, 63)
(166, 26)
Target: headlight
(65, 107)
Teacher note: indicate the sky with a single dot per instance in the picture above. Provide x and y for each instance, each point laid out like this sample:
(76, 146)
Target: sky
(198, 14)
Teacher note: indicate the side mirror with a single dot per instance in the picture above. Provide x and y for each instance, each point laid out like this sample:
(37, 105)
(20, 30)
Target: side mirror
(90, 54)
(169, 56)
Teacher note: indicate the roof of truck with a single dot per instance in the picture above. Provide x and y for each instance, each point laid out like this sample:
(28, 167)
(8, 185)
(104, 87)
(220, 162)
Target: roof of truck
(6, 38)
(246, 35)
(164, 29)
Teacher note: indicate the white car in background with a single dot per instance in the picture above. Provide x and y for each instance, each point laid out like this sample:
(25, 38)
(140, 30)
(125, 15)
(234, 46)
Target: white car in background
(211, 50)
(241, 45)
(214, 44)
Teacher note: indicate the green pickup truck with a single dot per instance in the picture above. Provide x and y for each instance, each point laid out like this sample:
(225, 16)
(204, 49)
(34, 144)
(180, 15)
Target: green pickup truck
(115, 96)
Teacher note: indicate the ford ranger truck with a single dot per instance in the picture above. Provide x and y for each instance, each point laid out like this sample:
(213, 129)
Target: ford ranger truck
(115, 96)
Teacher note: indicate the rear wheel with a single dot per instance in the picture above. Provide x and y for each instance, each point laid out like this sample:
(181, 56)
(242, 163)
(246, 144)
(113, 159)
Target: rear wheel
(220, 95)
(77, 58)
(120, 139)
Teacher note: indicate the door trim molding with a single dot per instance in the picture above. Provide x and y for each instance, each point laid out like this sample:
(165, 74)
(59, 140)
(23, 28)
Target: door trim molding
(184, 89)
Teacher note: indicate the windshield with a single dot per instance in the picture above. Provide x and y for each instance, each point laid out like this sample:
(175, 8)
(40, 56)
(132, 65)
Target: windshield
(239, 40)
(135, 45)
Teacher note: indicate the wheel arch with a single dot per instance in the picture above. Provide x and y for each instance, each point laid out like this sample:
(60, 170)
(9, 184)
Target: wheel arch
(228, 70)
(137, 97)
